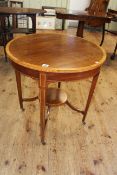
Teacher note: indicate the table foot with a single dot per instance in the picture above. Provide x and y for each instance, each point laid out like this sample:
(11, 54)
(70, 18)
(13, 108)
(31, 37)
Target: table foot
(22, 109)
(43, 142)
(83, 122)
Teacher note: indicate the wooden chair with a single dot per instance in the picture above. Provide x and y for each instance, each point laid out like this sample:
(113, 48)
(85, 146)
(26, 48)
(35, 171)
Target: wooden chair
(5, 32)
(98, 7)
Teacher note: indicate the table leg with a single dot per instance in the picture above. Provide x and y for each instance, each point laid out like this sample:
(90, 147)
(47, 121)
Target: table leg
(103, 34)
(63, 24)
(80, 29)
(33, 18)
(14, 22)
(19, 88)
(42, 98)
(93, 85)
(59, 84)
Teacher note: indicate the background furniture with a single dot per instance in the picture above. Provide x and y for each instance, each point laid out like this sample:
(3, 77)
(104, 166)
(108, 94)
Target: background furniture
(22, 21)
(83, 17)
(98, 7)
(95, 16)
(16, 18)
(113, 14)
(29, 12)
(77, 59)
(7, 30)
(6, 33)
(54, 13)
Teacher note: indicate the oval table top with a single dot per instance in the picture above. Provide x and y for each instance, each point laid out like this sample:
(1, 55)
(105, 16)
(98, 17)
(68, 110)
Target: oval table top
(55, 53)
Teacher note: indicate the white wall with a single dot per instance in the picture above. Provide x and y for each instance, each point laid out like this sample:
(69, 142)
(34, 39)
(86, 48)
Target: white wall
(78, 4)
(40, 3)
(112, 25)
(113, 4)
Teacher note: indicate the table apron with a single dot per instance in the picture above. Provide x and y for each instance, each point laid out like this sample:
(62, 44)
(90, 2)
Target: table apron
(53, 77)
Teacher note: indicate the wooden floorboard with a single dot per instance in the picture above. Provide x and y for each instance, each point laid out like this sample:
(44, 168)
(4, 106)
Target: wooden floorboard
(71, 148)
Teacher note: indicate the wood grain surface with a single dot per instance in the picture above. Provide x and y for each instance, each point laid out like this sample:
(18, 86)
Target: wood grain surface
(16, 10)
(60, 53)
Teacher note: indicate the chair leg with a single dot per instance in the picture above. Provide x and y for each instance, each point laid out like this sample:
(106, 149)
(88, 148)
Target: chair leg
(59, 84)
(4, 45)
(113, 55)
(63, 24)
(103, 35)
(5, 53)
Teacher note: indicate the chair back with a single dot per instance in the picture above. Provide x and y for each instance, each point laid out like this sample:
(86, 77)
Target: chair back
(97, 7)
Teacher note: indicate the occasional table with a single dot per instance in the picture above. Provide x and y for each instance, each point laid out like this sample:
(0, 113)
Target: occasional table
(54, 58)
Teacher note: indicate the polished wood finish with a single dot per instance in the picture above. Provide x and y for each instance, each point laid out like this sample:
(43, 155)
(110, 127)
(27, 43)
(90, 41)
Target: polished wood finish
(30, 12)
(41, 55)
(77, 59)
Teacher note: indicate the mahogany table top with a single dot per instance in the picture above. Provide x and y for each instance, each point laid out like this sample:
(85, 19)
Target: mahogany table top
(14, 10)
(55, 53)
